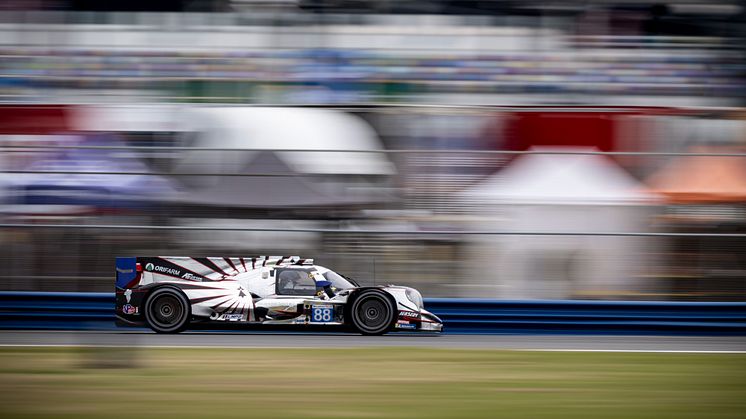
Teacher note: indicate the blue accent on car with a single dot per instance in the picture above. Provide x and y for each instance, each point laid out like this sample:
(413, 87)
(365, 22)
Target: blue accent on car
(126, 270)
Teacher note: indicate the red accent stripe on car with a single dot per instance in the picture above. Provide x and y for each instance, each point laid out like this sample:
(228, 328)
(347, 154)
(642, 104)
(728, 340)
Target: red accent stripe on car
(231, 263)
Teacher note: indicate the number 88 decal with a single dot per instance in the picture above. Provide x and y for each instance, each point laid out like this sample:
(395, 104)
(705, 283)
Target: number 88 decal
(321, 314)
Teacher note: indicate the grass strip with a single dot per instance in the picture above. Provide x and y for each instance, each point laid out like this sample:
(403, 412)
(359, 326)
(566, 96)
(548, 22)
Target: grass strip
(371, 382)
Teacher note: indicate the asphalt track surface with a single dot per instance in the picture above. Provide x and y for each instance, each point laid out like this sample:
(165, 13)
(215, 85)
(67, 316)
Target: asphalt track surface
(594, 343)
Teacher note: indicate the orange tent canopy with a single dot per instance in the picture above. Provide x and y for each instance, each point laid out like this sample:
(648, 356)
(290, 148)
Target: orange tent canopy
(701, 179)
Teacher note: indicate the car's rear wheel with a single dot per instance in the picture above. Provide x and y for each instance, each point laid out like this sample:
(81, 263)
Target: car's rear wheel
(167, 311)
(372, 313)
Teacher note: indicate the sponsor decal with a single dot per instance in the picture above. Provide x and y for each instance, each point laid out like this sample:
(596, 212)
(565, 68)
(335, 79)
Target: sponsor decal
(165, 270)
(190, 276)
(124, 271)
(233, 317)
(128, 295)
(406, 326)
(149, 267)
(411, 314)
(129, 309)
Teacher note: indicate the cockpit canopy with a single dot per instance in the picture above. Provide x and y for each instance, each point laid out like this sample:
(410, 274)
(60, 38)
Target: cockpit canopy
(306, 280)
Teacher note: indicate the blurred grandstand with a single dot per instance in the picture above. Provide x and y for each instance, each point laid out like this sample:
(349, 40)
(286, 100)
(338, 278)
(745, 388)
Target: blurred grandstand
(422, 143)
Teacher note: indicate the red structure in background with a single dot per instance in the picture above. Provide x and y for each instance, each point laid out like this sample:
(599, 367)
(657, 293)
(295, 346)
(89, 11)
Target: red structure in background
(35, 119)
(521, 129)
(524, 130)
(603, 128)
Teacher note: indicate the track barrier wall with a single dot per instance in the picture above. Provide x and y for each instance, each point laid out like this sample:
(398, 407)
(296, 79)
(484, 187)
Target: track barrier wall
(95, 311)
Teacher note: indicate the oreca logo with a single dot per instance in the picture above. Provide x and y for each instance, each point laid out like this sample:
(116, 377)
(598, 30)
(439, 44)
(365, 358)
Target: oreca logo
(149, 267)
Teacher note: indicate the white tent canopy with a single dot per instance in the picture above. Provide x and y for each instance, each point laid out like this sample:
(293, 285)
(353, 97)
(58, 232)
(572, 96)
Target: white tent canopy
(285, 129)
(561, 179)
(543, 193)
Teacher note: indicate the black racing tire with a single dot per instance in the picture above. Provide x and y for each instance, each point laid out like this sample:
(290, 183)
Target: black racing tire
(167, 310)
(372, 313)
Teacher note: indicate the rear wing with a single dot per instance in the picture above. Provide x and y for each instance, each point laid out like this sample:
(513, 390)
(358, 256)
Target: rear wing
(127, 275)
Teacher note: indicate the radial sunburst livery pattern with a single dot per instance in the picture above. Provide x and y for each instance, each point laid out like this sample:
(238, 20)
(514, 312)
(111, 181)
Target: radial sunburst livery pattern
(171, 293)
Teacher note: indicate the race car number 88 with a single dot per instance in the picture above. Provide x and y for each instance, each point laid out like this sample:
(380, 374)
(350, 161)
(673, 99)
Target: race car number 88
(321, 314)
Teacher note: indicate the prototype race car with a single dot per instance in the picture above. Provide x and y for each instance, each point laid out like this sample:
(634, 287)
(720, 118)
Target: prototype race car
(171, 293)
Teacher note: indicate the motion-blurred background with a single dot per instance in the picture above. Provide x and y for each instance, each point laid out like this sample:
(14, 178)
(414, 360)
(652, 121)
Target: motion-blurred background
(496, 149)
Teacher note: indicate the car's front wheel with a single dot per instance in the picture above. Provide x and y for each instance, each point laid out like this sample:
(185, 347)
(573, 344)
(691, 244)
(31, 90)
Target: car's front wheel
(372, 313)
(167, 311)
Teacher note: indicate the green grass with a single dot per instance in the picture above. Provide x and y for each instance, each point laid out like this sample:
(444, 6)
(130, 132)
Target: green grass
(381, 382)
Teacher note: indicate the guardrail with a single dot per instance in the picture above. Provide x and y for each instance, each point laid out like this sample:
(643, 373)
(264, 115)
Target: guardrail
(57, 310)
(589, 317)
(95, 311)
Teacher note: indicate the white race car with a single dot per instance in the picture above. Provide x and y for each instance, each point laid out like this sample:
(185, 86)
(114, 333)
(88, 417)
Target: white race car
(171, 293)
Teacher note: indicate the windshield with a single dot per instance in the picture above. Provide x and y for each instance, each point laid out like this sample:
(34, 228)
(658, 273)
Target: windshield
(338, 281)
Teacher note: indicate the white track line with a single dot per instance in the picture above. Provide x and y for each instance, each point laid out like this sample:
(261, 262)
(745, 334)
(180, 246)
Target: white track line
(662, 351)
